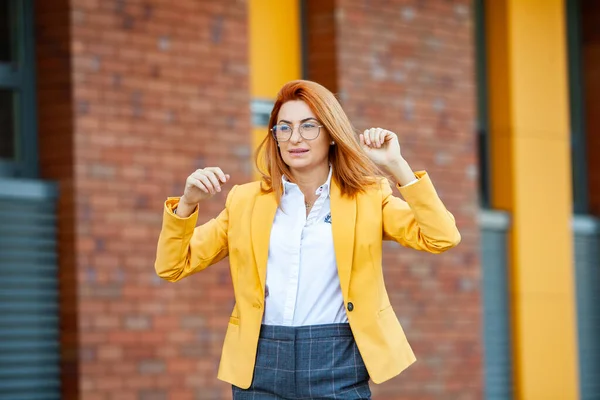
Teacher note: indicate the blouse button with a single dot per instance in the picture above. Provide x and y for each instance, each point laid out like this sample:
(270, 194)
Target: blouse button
(350, 306)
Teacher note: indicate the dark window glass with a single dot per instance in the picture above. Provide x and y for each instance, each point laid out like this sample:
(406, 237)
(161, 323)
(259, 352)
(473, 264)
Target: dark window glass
(6, 36)
(578, 121)
(7, 124)
(483, 134)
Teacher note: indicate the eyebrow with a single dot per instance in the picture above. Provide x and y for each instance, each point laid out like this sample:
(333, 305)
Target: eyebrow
(304, 120)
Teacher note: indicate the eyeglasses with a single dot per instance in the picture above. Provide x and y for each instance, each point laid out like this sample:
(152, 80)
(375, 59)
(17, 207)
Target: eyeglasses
(309, 130)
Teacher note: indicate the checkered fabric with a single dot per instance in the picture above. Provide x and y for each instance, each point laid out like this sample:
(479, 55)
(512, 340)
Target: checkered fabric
(307, 362)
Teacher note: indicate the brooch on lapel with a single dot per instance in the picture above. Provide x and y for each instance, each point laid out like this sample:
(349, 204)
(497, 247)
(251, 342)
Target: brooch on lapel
(327, 218)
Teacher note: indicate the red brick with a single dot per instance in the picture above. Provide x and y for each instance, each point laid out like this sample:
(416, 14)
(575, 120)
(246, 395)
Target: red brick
(109, 353)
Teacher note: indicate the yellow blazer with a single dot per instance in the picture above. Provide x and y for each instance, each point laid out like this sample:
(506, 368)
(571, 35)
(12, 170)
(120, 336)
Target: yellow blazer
(359, 225)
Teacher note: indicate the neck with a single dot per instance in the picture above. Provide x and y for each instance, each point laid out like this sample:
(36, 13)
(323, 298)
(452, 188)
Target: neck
(309, 181)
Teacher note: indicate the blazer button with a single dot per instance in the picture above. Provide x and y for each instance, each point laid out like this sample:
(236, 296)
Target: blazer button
(350, 306)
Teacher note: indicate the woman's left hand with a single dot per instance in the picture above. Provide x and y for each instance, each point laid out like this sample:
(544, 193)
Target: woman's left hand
(381, 146)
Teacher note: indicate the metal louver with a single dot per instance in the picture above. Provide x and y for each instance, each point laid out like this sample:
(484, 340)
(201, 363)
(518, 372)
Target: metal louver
(29, 326)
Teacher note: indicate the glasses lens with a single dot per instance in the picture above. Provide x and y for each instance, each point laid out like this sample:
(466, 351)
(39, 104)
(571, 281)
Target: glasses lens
(282, 132)
(310, 130)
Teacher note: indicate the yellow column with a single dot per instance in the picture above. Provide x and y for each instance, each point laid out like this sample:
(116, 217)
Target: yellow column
(275, 49)
(529, 126)
(275, 45)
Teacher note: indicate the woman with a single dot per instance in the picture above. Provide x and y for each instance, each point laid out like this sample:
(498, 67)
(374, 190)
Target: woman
(312, 317)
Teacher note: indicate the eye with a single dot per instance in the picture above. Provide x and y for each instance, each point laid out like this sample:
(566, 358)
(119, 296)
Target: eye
(282, 128)
(309, 125)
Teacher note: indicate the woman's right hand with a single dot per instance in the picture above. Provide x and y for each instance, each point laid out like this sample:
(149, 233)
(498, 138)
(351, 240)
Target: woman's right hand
(201, 185)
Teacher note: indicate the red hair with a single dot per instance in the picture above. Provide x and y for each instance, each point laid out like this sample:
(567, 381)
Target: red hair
(352, 169)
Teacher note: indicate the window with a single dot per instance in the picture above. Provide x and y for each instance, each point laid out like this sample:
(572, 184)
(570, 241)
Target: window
(578, 137)
(18, 144)
(483, 133)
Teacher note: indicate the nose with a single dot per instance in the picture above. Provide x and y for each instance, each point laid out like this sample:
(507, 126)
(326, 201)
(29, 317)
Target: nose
(296, 137)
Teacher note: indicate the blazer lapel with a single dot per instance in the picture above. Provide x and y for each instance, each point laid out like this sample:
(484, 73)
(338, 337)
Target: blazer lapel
(343, 221)
(262, 221)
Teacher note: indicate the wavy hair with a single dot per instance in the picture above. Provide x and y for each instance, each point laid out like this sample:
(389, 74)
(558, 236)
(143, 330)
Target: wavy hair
(352, 169)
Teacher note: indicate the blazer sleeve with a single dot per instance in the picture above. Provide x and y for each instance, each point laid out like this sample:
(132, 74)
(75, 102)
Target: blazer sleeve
(422, 221)
(184, 249)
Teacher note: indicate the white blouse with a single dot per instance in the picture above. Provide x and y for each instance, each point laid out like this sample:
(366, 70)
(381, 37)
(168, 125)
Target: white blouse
(303, 287)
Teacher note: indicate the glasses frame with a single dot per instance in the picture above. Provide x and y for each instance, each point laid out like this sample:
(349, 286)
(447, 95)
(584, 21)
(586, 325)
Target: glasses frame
(299, 127)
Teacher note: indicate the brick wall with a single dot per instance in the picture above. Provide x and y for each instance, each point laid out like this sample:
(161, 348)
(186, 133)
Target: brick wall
(591, 82)
(408, 66)
(134, 96)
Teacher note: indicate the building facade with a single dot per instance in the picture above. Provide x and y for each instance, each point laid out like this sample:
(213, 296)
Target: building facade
(106, 106)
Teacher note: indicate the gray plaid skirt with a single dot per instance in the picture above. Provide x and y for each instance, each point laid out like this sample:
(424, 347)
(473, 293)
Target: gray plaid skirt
(307, 362)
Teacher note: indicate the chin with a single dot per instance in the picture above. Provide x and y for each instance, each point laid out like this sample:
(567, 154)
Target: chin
(298, 164)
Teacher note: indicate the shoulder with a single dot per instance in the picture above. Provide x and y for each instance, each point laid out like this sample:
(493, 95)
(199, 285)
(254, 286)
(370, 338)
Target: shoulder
(244, 191)
(385, 186)
(381, 185)
(376, 191)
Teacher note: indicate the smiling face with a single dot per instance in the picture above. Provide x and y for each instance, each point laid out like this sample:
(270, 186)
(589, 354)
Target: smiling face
(298, 153)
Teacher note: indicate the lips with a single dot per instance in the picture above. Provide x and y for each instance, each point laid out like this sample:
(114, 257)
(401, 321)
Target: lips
(298, 151)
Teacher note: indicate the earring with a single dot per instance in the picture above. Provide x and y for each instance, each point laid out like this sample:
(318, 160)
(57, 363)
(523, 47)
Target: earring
(332, 143)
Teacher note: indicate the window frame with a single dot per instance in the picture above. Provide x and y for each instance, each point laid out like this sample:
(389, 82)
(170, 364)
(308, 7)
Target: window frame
(19, 76)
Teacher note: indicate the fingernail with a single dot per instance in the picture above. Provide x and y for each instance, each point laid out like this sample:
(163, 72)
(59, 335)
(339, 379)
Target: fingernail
(223, 179)
(218, 188)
